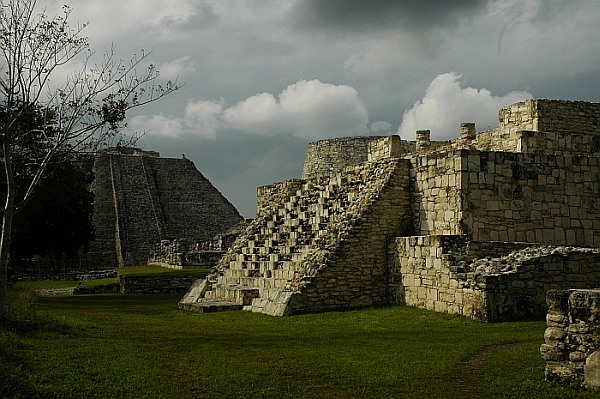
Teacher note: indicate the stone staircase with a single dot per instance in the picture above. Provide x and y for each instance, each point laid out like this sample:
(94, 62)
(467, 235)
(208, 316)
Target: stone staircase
(299, 227)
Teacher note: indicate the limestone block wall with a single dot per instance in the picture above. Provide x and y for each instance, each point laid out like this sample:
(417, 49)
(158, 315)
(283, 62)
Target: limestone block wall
(178, 254)
(530, 197)
(567, 116)
(522, 115)
(436, 195)
(516, 285)
(529, 141)
(572, 339)
(549, 126)
(560, 117)
(389, 147)
(488, 281)
(156, 284)
(327, 157)
(429, 272)
(501, 196)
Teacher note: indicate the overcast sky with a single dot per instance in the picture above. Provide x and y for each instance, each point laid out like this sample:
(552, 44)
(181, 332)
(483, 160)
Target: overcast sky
(264, 78)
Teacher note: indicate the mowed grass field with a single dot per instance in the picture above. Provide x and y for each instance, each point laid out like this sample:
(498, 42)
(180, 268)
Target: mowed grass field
(143, 346)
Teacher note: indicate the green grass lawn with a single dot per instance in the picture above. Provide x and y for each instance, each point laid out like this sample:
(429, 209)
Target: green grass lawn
(153, 269)
(125, 271)
(143, 346)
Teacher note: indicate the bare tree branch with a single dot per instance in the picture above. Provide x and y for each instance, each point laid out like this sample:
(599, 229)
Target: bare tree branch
(86, 111)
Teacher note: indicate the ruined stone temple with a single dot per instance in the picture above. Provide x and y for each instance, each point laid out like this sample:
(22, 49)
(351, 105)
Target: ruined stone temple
(481, 226)
(141, 199)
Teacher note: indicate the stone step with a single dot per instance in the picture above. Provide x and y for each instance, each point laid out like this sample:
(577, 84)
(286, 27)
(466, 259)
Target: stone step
(209, 306)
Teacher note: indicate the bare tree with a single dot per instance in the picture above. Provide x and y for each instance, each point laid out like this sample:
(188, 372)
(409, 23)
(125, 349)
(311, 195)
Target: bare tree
(88, 107)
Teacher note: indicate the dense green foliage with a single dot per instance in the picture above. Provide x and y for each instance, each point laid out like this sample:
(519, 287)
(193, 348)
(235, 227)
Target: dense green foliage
(143, 346)
(55, 220)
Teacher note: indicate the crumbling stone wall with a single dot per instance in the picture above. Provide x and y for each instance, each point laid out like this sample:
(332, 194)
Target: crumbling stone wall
(572, 339)
(549, 126)
(180, 254)
(487, 281)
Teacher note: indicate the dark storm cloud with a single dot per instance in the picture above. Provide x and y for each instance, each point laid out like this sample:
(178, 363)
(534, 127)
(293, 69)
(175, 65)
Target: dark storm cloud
(551, 10)
(579, 86)
(412, 15)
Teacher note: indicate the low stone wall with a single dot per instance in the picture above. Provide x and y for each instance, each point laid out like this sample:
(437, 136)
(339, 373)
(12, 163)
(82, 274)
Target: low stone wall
(75, 276)
(572, 338)
(433, 272)
(488, 281)
(158, 284)
(100, 289)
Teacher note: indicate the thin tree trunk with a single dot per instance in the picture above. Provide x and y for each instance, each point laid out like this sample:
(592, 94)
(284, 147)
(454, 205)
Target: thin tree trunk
(5, 242)
(7, 220)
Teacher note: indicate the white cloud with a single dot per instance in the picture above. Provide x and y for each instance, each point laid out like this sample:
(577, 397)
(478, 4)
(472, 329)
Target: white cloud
(380, 127)
(304, 109)
(156, 125)
(201, 119)
(446, 104)
(176, 68)
(110, 19)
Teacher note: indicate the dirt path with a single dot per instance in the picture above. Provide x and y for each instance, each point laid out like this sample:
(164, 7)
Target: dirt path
(466, 383)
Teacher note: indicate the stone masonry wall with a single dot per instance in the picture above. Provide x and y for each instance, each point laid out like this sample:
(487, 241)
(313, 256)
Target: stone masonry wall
(429, 272)
(156, 284)
(389, 147)
(534, 198)
(436, 200)
(488, 281)
(567, 116)
(177, 254)
(572, 338)
(549, 126)
(500, 196)
(327, 157)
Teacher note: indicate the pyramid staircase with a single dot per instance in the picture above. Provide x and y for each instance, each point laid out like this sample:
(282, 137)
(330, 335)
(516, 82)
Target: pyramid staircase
(299, 226)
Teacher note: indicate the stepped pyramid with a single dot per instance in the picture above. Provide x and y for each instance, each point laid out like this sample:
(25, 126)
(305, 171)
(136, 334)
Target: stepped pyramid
(141, 199)
(317, 243)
